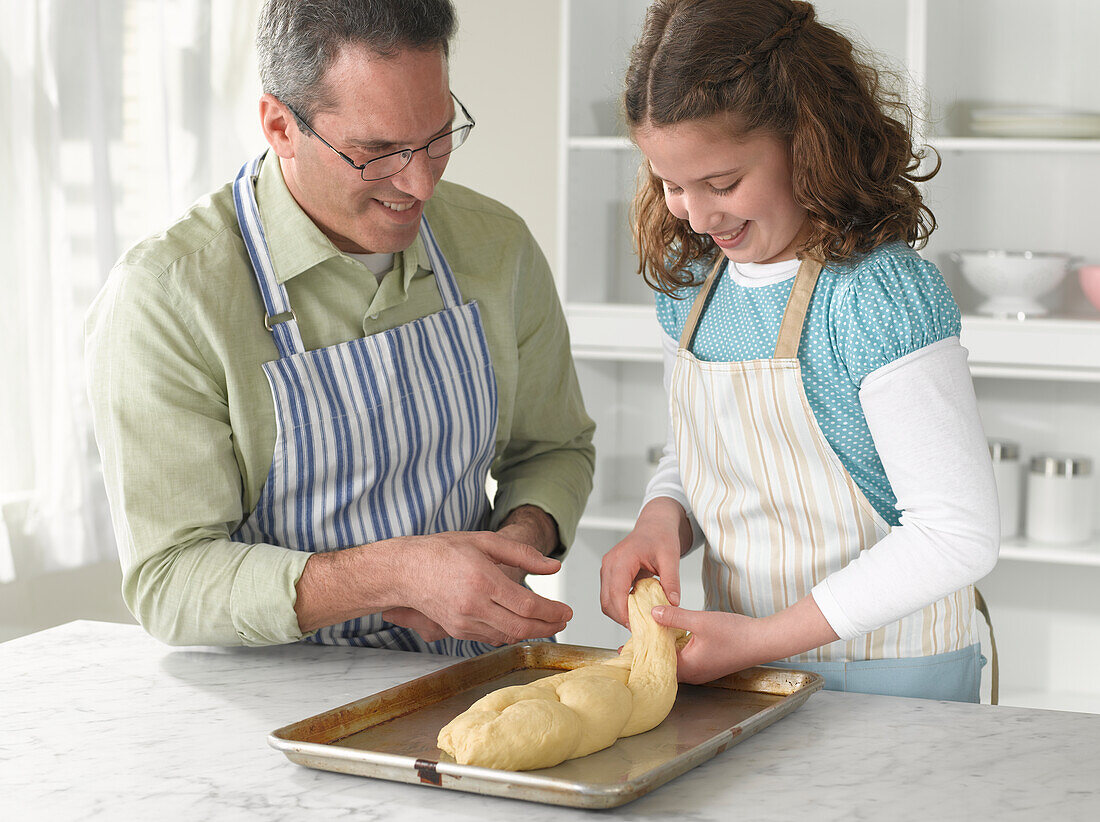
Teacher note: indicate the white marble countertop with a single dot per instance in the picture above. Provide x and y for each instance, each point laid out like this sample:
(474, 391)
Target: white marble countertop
(101, 722)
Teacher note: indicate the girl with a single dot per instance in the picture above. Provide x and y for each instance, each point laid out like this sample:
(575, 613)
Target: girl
(824, 439)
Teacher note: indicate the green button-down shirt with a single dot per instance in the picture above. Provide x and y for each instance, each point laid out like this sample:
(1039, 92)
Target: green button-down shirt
(184, 416)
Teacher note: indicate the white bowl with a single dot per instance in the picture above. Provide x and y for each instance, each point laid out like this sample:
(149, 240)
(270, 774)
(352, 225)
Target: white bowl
(1013, 281)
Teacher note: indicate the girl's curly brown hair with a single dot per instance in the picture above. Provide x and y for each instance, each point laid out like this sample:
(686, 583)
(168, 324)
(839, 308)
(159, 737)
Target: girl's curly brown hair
(769, 67)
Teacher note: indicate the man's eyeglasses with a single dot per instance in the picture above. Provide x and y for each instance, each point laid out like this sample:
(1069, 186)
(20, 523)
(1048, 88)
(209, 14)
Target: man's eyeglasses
(389, 164)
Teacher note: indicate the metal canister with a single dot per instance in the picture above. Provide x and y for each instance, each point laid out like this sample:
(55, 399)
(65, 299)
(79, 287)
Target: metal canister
(1006, 472)
(1059, 498)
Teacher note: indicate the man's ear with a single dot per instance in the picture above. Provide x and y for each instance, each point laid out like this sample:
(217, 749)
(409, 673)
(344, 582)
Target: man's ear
(279, 126)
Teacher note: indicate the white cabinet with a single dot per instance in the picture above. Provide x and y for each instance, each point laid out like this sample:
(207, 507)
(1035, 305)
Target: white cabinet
(1038, 380)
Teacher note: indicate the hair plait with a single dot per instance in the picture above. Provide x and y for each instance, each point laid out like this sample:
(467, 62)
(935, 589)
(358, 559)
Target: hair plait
(789, 30)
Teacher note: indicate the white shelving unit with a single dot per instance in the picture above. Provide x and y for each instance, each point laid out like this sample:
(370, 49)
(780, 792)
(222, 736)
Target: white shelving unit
(1038, 380)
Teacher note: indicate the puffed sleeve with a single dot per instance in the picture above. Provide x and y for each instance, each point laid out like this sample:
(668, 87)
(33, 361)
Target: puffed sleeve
(673, 309)
(887, 306)
(668, 316)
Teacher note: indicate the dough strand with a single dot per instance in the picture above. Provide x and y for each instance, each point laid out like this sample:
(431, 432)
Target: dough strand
(578, 712)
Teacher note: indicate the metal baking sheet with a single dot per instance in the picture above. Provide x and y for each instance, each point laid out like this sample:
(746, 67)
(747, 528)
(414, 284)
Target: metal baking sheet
(391, 734)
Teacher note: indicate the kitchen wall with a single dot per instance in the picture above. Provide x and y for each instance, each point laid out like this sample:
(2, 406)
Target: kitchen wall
(505, 69)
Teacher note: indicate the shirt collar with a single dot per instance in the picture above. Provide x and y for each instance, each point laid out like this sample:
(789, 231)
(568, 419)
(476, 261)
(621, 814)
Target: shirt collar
(298, 244)
(394, 288)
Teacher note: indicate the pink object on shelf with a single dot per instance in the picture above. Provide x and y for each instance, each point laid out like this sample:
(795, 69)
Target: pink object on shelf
(1089, 275)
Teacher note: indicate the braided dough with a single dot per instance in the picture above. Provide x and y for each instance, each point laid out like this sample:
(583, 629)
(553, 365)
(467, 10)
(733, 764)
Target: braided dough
(577, 712)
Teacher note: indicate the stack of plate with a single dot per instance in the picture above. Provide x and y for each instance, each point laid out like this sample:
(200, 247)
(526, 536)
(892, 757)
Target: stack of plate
(1034, 121)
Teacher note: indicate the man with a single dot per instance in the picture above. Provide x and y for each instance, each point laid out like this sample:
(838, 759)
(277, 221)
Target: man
(299, 387)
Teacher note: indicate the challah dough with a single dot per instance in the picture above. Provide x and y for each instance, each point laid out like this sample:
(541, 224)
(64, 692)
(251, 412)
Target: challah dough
(652, 679)
(576, 712)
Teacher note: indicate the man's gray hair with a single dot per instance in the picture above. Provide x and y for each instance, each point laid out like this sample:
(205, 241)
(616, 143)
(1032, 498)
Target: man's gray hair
(298, 40)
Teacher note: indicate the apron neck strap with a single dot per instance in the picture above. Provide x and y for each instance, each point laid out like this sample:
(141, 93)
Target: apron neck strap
(790, 330)
(687, 336)
(279, 318)
(444, 276)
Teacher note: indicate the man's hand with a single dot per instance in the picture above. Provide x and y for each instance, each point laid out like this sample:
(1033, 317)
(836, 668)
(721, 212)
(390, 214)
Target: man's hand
(458, 581)
(532, 526)
(411, 618)
(454, 580)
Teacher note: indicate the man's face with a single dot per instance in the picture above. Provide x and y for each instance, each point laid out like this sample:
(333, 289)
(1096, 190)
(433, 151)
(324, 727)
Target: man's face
(382, 104)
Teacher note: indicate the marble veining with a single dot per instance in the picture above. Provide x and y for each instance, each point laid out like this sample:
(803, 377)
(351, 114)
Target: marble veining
(101, 722)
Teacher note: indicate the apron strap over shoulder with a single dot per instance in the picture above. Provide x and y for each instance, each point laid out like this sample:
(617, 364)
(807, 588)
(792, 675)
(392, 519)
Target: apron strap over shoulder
(790, 330)
(279, 319)
(444, 277)
(688, 334)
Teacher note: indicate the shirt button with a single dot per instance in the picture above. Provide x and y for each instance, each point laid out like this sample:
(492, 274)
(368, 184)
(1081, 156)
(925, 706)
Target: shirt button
(373, 316)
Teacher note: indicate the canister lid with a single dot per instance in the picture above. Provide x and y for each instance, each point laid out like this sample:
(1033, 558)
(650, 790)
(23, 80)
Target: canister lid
(1003, 450)
(1061, 465)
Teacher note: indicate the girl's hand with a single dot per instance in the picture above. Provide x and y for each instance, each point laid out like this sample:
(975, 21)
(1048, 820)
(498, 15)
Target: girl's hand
(653, 548)
(720, 642)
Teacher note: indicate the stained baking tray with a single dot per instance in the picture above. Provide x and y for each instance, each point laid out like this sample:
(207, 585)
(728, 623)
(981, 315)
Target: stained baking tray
(392, 734)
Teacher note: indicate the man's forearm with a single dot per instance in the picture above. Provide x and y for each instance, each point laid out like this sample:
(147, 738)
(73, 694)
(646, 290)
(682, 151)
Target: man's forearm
(336, 586)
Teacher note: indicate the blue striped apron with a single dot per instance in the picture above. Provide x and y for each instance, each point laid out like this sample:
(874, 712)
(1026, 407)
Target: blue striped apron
(382, 436)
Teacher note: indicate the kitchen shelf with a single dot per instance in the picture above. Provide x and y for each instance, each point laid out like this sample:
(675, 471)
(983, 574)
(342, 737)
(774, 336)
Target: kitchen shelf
(1043, 348)
(1052, 145)
(1049, 348)
(613, 515)
(1015, 372)
(616, 525)
(980, 144)
(604, 353)
(620, 515)
(1021, 550)
(603, 331)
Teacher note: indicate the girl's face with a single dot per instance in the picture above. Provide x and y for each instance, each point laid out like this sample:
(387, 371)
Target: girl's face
(738, 191)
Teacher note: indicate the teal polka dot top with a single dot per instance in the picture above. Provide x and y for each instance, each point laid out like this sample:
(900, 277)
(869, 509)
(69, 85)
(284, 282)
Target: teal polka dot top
(863, 315)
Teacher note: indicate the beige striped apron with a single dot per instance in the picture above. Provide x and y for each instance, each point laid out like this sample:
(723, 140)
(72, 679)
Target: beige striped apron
(778, 510)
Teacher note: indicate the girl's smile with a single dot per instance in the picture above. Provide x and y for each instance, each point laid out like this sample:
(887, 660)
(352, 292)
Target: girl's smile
(730, 239)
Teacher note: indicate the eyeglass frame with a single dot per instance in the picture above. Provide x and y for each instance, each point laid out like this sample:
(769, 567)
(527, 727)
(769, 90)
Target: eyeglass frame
(468, 126)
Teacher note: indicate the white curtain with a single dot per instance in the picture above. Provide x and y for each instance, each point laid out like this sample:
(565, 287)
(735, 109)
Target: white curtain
(114, 116)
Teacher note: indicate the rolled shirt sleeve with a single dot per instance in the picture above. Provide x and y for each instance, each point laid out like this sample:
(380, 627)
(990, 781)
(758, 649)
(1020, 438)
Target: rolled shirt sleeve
(173, 479)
